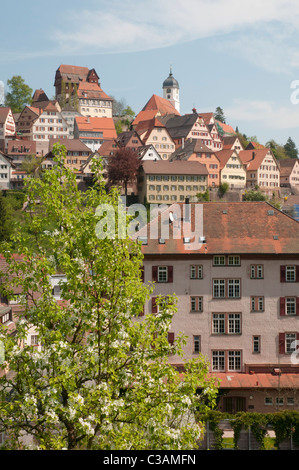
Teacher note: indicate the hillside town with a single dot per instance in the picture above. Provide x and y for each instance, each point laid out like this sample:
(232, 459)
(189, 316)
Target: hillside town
(237, 286)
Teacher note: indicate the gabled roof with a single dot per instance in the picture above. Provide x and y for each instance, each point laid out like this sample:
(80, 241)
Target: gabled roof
(17, 147)
(7, 158)
(177, 167)
(154, 107)
(228, 228)
(224, 155)
(97, 124)
(4, 111)
(224, 129)
(207, 117)
(70, 145)
(190, 147)
(228, 141)
(254, 145)
(39, 95)
(72, 73)
(92, 91)
(252, 159)
(124, 137)
(286, 166)
(179, 126)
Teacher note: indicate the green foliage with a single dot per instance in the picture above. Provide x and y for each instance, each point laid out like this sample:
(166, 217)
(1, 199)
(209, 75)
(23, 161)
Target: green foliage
(205, 196)
(19, 95)
(284, 423)
(277, 149)
(4, 230)
(254, 195)
(223, 188)
(290, 148)
(219, 115)
(102, 378)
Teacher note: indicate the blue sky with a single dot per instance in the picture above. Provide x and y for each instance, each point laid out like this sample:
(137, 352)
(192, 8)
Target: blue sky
(240, 55)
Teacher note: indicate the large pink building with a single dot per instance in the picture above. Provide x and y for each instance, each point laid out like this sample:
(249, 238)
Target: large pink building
(237, 284)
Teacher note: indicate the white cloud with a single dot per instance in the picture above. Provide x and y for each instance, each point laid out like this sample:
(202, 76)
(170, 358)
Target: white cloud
(128, 25)
(267, 114)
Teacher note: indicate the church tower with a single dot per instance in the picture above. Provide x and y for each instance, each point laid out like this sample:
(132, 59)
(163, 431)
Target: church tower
(171, 91)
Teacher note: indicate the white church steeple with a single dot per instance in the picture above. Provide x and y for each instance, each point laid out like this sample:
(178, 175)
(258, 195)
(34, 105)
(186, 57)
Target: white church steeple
(171, 90)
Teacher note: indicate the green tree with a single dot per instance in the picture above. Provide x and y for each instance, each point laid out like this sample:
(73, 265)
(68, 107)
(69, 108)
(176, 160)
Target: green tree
(4, 231)
(277, 149)
(75, 101)
(32, 165)
(19, 95)
(102, 378)
(290, 148)
(219, 115)
(254, 196)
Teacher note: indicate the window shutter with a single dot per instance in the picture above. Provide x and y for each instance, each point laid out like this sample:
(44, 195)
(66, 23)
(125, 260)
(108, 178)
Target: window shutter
(297, 273)
(297, 306)
(170, 273)
(141, 314)
(154, 305)
(282, 274)
(281, 343)
(282, 306)
(171, 338)
(155, 273)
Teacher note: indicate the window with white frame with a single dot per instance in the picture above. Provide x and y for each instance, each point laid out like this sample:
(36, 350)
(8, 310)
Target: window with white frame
(290, 273)
(218, 361)
(196, 344)
(256, 344)
(257, 304)
(290, 305)
(256, 271)
(218, 323)
(219, 260)
(234, 288)
(290, 342)
(196, 272)
(196, 304)
(234, 360)
(162, 273)
(219, 288)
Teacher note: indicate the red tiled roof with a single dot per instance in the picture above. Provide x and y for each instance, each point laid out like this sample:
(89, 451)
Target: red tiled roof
(70, 144)
(73, 69)
(253, 158)
(97, 124)
(226, 127)
(261, 381)
(228, 228)
(223, 156)
(3, 113)
(92, 90)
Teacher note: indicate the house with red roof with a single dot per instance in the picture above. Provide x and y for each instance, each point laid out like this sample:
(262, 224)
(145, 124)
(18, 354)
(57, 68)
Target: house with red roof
(93, 101)
(154, 132)
(262, 169)
(232, 169)
(93, 131)
(232, 143)
(289, 172)
(169, 181)
(19, 150)
(7, 126)
(155, 107)
(233, 268)
(194, 150)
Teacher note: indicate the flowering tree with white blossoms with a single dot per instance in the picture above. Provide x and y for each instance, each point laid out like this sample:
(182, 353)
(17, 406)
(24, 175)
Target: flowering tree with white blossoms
(100, 377)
